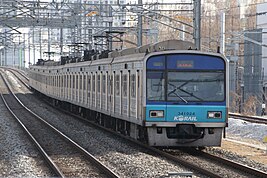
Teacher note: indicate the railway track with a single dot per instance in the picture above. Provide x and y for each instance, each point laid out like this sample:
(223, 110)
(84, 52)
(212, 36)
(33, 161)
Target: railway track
(222, 164)
(239, 169)
(253, 119)
(17, 71)
(65, 157)
(20, 76)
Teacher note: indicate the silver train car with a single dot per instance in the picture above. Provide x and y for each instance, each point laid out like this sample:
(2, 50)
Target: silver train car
(163, 94)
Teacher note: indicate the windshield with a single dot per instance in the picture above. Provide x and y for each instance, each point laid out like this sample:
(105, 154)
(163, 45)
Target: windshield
(195, 86)
(155, 86)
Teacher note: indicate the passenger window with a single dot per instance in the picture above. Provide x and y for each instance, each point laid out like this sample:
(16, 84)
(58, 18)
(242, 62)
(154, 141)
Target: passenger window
(93, 83)
(124, 86)
(84, 82)
(104, 84)
(89, 83)
(81, 81)
(73, 81)
(77, 79)
(133, 86)
(111, 84)
(117, 85)
(98, 83)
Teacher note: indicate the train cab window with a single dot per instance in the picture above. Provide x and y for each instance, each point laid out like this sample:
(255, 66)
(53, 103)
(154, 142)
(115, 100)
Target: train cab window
(117, 85)
(133, 86)
(155, 86)
(195, 86)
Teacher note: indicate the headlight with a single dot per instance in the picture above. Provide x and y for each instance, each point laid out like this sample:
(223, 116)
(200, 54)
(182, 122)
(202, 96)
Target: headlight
(214, 114)
(156, 114)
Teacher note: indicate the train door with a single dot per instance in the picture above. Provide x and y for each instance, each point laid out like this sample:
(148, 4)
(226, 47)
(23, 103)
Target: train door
(132, 90)
(103, 91)
(139, 94)
(54, 85)
(111, 91)
(64, 86)
(73, 86)
(128, 93)
(99, 91)
(93, 91)
(68, 86)
(80, 87)
(77, 88)
(117, 99)
(89, 101)
(125, 94)
(106, 99)
(57, 85)
(120, 93)
(61, 86)
(85, 88)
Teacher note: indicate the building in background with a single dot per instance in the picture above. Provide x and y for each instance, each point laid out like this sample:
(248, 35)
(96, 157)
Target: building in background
(262, 26)
(253, 86)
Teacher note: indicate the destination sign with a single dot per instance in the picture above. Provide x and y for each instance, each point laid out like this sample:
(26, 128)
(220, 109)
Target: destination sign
(185, 64)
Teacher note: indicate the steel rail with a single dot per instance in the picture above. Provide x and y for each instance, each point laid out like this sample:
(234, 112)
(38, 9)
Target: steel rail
(18, 71)
(155, 151)
(253, 119)
(24, 83)
(97, 163)
(181, 161)
(177, 159)
(47, 158)
(245, 168)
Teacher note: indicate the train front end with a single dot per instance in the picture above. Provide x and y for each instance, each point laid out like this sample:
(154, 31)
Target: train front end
(186, 99)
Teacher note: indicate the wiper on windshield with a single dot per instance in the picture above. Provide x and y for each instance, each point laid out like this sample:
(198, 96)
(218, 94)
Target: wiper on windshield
(179, 88)
(174, 92)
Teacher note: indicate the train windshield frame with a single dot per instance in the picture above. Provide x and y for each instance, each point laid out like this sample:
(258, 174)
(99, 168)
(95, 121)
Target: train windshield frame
(186, 78)
(195, 86)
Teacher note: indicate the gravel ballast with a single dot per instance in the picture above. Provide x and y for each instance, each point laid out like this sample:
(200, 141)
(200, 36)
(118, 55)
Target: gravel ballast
(18, 156)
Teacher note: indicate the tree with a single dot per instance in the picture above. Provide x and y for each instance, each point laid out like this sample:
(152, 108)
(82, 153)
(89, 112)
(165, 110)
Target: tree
(250, 105)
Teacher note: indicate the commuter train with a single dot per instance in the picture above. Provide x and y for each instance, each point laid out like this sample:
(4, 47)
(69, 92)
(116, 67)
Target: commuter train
(165, 94)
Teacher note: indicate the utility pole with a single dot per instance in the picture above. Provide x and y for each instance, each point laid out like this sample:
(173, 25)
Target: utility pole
(61, 41)
(40, 41)
(110, 29)
(49, 44)
(197, 23)
(140, 25)
(222, 49)
(33, 45)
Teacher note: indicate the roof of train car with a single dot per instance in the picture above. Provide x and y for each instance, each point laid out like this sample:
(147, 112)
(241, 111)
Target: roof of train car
(130, 54)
